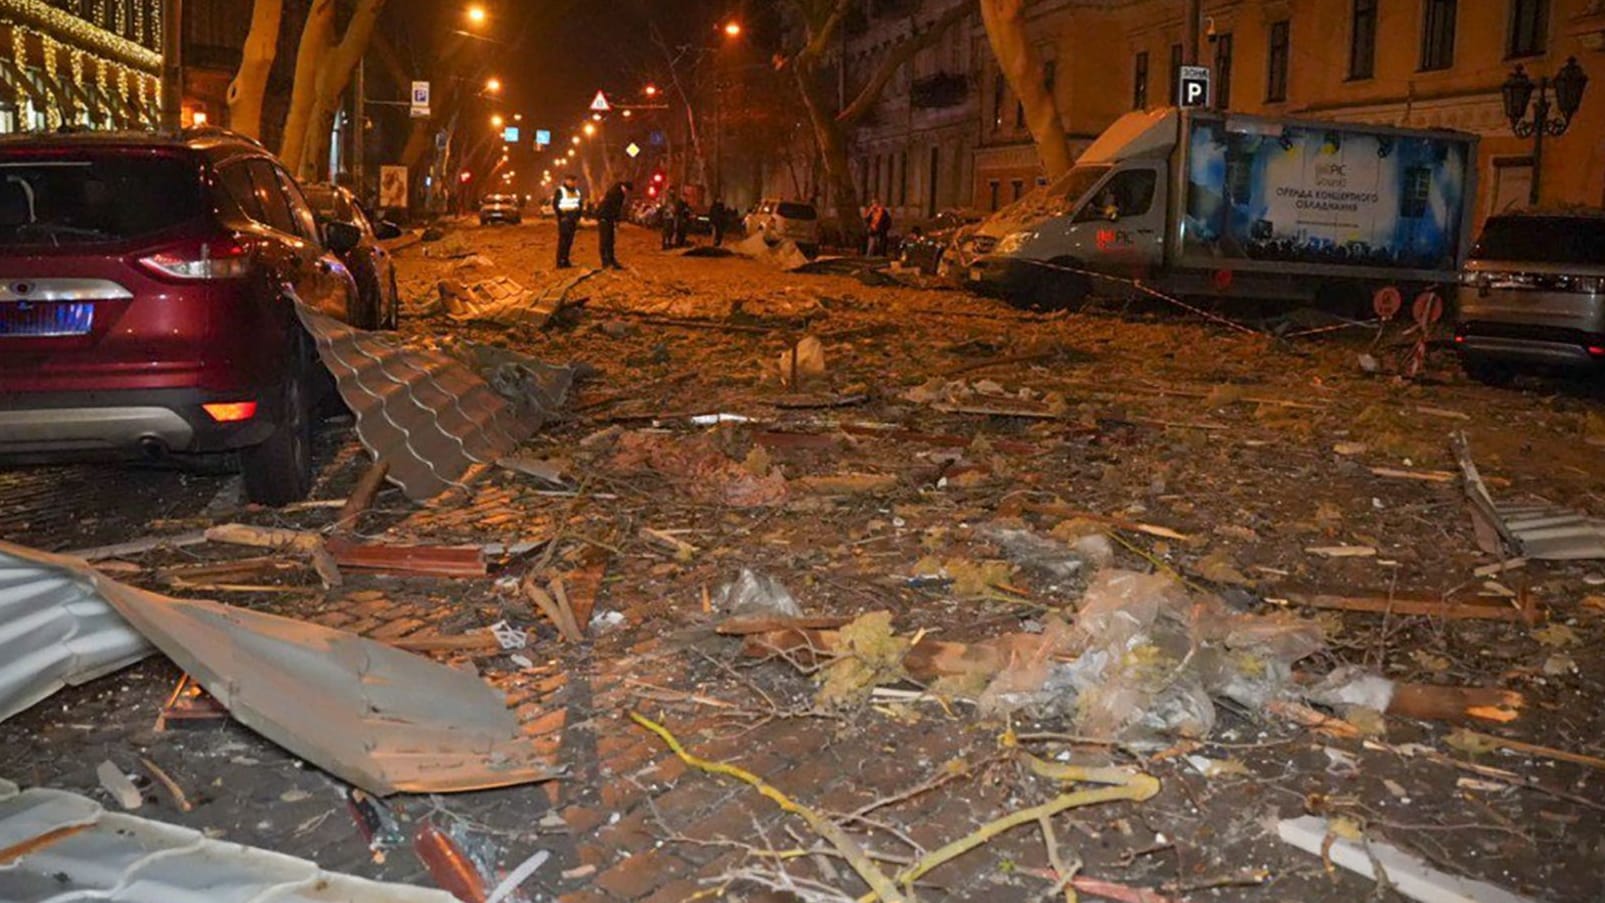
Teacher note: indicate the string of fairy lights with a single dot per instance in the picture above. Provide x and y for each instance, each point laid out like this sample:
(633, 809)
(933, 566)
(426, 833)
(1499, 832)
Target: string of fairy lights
(93, 57)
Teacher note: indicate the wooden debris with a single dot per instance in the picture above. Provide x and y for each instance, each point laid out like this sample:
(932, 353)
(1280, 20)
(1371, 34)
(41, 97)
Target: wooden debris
(1119, 523)
(361, 498)
(846, 483)
(1343, 551)
(750, 626)
(263, 537)
(116, 783)
(483, 643)
(1425, 476)
(189, 703)
(1434, 703)
(1530, 749)
(1411, 605)
(167, 782)
(558, 612)
(580, 587)
(140, 546)
(1406, 874)
(433, 561)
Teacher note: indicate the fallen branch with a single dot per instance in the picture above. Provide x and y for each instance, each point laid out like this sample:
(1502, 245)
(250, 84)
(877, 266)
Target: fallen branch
(361, 498)
(1415, 606)
(880, 885)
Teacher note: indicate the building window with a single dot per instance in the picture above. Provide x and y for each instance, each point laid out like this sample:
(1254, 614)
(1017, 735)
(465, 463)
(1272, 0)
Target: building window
(902, 183)
(993, 185)
(997, 102)
(1223, 71)
(1050, 75)
(1175, 73)
(1018, 187)
(1276, 75)
(1529, 27)
(1363, 40)
(1019, 114)
(1139, 82)
(1438, 34)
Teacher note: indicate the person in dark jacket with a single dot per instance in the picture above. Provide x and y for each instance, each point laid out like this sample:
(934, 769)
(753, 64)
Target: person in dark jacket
(682, 221)
(666, 221)
(879, 223)
(608, 214)
(567, 202)
(716, 218)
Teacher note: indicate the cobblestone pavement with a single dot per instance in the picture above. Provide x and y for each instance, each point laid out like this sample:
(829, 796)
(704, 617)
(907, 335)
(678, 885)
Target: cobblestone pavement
(1149, 436)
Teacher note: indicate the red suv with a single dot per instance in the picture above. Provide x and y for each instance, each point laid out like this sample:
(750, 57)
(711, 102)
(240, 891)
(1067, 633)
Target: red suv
(146, 302)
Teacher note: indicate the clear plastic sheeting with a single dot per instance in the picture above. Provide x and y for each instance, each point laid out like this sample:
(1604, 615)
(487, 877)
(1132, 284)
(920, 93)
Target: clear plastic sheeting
(54, 633)
(64, 848)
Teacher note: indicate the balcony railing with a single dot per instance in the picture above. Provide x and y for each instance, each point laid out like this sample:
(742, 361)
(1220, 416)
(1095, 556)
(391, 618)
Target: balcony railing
(944, 89)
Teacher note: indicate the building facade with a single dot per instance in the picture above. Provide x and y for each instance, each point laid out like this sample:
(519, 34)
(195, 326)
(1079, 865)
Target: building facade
(1411, 63)
(90, 63)
(916, 151)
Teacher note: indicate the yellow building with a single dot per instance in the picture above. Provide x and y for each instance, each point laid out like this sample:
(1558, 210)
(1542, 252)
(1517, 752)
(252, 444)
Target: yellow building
(93, 63)
(1415, 63)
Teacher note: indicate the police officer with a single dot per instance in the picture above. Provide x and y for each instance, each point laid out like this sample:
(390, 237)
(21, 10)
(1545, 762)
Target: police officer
(567, 203)
(608, 214)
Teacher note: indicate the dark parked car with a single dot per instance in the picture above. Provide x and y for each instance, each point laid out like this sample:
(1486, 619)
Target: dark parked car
(145, 302)
(377, 304)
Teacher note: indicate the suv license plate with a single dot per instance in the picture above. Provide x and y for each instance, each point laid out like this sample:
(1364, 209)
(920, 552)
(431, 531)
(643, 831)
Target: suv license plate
(46, 319)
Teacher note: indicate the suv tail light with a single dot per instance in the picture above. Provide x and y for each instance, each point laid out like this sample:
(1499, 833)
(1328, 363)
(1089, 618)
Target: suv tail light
(201, 260)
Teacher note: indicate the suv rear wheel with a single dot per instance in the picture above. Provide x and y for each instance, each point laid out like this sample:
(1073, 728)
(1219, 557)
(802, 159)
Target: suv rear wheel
(279, 471)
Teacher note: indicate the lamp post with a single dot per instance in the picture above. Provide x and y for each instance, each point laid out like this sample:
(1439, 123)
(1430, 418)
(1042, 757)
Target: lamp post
(1517, 92)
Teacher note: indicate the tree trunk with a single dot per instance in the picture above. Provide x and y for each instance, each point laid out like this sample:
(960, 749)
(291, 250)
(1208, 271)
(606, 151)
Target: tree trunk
(334, 75)
(831, 137)
(1017, 58)
(245, 93)
(317, 36)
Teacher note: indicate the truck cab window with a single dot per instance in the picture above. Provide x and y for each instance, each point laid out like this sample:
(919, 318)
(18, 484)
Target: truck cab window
(1129, 193)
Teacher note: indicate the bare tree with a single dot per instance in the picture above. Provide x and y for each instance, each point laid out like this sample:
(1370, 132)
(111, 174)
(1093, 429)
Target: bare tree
(317, 34)
(1020, 65)
(249, 87)
(822, 21)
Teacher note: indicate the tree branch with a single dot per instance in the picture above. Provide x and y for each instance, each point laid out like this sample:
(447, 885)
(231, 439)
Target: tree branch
(897, 59)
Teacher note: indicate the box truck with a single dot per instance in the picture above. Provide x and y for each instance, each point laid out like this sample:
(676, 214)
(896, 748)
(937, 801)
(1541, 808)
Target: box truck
(1197, 203)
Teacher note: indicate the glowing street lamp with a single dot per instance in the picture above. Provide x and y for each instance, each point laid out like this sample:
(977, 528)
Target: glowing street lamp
(497, 121)
(493, 85)
(573, 140)
(589, 130)
(477, 15)
(650, 90)
(732, 29)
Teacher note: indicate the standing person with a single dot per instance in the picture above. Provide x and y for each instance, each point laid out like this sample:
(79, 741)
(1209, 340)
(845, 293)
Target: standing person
(608, 214)
(879, 222)
(682, 221)
(716, 217)
(567, 202)
(666, 221)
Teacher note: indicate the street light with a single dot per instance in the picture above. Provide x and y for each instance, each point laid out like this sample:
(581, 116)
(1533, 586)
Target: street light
(477, 15)
(589, 129)
(493, 85)
(497, 121)
(732, 29)
(650, 90)
(1517, 92)
(574, 140)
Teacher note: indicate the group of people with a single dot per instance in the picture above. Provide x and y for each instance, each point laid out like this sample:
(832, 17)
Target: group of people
(674, 221)
(675, 218)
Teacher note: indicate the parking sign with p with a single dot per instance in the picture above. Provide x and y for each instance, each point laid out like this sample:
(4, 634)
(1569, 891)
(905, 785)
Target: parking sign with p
(1194, 88)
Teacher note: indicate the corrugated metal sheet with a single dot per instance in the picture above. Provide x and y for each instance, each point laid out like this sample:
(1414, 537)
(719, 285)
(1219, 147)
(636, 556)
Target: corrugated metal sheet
(55, 633)
(1540, 531)
(426, 413)
(372, 715)
(68, 849)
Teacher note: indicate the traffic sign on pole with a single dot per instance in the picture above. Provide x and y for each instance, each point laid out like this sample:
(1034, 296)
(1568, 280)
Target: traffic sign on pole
(1193, 87)
(599, 103)
(420, 100)
(634, 150)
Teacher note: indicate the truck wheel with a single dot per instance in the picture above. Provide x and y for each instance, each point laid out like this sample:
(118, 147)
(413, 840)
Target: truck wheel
(279, 471)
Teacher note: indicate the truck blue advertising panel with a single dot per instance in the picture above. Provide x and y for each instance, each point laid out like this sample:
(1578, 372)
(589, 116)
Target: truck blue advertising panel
(1323, 194)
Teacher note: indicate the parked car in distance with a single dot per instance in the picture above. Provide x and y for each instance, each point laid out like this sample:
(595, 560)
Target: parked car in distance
(924, 251)
(501, 208)
(377, 303)
(778, 220)
(1533, 294)
(147, 287)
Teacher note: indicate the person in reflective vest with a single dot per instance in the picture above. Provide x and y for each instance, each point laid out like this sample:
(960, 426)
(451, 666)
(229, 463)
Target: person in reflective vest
(567, 202)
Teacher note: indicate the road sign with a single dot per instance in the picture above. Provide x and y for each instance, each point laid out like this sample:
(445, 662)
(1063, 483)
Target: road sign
(634, 150)
(420, 100)
(599, 103)
(543, 137)
(510, 134)
(1193, 86)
